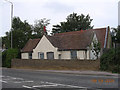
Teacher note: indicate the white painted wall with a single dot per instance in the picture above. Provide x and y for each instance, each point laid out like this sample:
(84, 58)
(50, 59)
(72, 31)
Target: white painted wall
(24, 55)
(65, 55)
(92, 56)
(82, 55)
(45, 46)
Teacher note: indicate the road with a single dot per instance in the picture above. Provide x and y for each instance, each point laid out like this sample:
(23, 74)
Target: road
(36, 80)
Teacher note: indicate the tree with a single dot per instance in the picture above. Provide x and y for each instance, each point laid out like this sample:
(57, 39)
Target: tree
(21, 32)
(73, 22)
(107, 61)
(96, 48)
(116, 34)
(39, 27)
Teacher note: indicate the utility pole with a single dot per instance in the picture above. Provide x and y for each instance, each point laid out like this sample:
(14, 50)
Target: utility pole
(11, 21)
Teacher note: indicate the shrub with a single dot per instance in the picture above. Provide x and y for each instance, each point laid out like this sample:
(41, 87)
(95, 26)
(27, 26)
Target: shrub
(110, 61)
(8, 55)
(4, 58)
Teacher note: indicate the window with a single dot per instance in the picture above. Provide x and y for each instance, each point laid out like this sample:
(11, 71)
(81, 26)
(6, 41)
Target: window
(73, 54)
(50, 55)
(40, 55)
(30, 55)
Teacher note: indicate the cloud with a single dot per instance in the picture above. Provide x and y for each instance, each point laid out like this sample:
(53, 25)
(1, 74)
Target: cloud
(103, 12)
(57, 7)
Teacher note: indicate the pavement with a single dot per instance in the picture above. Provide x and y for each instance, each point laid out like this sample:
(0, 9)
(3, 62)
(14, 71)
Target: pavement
(82, 72)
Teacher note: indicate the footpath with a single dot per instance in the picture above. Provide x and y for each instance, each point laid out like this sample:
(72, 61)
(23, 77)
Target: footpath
(82, 72)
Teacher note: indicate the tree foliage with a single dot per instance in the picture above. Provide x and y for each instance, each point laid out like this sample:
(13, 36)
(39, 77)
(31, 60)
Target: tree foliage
(38, 27)
(110, 61)
(116, 34)
(22, 31)
(73, 22)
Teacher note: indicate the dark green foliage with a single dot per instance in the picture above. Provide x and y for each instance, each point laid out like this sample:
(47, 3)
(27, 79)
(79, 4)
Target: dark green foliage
(4, 58)
(8, 55)
(117, 32)
(110, 61)
(73, 22)
(22, 31)
(38, 27)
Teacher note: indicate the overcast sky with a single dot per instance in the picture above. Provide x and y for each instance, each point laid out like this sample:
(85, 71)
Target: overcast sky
(103, 12)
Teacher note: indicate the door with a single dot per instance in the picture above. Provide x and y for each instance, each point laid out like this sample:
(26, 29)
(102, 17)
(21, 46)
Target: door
(73, 54)
(50, 55)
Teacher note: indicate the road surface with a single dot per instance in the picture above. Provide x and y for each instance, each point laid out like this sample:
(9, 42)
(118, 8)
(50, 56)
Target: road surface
(38, 80)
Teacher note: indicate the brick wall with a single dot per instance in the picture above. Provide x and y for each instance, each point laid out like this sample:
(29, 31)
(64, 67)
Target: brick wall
(56, 64)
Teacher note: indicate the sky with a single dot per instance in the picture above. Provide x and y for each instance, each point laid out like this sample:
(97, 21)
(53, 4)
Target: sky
(103, 12)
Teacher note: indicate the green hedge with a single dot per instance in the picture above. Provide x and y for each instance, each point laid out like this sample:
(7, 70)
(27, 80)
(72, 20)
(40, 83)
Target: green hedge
(8, 55)
(110, 61)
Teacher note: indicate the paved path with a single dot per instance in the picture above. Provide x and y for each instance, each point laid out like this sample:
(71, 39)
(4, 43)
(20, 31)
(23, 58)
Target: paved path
(82, 72)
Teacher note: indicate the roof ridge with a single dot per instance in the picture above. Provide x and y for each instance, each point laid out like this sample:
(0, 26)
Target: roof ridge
(75, 32)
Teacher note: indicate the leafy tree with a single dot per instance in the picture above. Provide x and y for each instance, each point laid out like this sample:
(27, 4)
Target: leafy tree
(73, 22)
(21, 32)
(116, 34)
(96, 48)
(108, 61)
(39, 27)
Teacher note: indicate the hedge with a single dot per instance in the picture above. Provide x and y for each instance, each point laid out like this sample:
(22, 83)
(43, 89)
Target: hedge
(110, 61)
(8, 55)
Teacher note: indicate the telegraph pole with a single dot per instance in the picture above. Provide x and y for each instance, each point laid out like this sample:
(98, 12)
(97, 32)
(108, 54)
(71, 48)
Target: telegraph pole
(11, 21)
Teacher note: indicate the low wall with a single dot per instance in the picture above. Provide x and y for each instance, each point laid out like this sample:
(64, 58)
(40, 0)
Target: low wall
(56, 64)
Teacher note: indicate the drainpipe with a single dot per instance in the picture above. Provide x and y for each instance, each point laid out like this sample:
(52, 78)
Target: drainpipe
(106, 37)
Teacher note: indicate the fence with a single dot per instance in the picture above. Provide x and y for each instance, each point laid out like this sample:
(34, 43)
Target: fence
(56, 64)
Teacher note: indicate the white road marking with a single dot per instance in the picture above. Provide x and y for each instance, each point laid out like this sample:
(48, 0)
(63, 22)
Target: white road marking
(14, 78)
(6, 79)
(65, 85)
(24, 82)
(45, 85)
(20, 78)
(2, 76)
(26, 86)
(3, 81)
(17, 82)
(52, 84)
(27, 81)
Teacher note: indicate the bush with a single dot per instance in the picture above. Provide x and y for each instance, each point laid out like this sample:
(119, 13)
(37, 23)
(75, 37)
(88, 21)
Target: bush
(110, 61)
(4, 58)
(8, 55)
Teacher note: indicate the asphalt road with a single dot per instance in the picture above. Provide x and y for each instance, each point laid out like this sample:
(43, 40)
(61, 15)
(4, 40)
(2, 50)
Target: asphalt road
(37, 80)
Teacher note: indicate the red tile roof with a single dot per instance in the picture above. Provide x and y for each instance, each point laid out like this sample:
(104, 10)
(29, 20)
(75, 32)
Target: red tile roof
(30, 45)
(74, 40)
(77, 39)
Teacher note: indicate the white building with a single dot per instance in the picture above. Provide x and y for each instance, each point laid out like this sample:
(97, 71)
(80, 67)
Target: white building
(68, 45)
